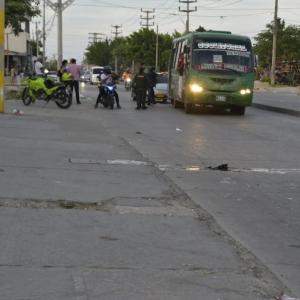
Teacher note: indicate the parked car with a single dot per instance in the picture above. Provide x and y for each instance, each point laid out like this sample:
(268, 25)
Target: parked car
(161, 88)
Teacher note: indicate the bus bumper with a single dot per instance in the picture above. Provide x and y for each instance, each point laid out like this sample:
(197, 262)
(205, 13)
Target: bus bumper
(220, 98)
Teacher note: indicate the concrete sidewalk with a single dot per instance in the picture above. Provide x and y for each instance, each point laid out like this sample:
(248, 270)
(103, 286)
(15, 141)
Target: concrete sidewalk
(282, 99)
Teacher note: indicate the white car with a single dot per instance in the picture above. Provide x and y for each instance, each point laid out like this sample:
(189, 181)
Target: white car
(95, 73)
(86, 76)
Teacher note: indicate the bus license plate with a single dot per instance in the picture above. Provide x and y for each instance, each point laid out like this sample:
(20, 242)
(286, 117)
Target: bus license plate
(221, 98)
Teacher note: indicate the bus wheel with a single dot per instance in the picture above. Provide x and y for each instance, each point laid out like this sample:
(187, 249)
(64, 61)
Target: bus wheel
(188, 107)
(238, 110)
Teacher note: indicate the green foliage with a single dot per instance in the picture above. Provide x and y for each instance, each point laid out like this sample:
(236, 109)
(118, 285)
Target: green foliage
(19, 11)
(100, 53)
(288, 43)
(52, 64)
(200, 29)
(140, 46)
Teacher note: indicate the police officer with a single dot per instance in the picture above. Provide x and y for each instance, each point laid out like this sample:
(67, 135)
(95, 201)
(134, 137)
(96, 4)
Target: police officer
(140, 86)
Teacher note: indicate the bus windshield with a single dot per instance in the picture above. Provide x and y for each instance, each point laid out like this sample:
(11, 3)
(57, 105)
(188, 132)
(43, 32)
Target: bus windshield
(222, 56)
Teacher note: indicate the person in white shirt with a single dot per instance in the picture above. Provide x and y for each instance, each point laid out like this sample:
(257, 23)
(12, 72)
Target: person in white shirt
(106, 78)
(38, 68)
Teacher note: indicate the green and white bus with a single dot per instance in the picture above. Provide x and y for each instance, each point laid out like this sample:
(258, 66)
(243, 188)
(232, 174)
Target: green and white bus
(212, 69)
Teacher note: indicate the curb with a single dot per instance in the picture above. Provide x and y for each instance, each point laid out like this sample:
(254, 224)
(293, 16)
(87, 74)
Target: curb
(277, 109)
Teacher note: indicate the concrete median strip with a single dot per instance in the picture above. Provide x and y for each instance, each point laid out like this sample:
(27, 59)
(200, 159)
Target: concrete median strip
(277, 109)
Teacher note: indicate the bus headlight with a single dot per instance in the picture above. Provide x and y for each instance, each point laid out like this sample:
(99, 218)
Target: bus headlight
(196, 88)
(245, 91)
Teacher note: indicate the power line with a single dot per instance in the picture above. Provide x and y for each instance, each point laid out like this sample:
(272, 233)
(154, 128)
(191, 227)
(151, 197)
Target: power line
(95, 37)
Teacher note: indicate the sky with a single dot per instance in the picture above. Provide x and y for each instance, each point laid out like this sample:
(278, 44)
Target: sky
(246, 17)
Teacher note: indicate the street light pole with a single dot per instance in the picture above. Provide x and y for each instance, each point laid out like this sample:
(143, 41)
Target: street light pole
(44, 32)
(1, 56)
(274, 50)
(156, 52)
(59, 34)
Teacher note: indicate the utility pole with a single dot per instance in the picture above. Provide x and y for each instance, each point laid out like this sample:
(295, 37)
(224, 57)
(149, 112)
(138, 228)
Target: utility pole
(274, 51)
(59, 7)
(95, 37)
(44, 32)
(156, 50)
(2, 56)
(116, 33)
(188, 11)
(37, 38)
(147, 18)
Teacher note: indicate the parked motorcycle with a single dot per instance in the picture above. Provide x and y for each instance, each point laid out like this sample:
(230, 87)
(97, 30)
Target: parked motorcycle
(43, 88)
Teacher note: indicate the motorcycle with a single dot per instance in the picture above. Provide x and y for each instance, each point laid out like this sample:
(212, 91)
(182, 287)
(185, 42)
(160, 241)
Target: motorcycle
(108, 95)
(43, 88)
(128, 84)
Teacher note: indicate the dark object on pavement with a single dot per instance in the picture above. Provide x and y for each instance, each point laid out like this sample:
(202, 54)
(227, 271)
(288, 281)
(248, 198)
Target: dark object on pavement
(282, 296)
(223, 167)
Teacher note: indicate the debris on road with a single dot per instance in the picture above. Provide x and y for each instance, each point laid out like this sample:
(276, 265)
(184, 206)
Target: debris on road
(282, 296)
(17, 112)
(138, 132)
(222, 167)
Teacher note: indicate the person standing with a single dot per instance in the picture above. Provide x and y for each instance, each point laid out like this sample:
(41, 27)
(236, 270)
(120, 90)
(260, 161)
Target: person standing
(38, 67)
(152, 80)
(140, 85)
(75, 70)
(180, 69)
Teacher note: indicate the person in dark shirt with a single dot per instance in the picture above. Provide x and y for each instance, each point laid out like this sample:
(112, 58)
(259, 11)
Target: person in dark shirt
(140, 86)
(152, 80)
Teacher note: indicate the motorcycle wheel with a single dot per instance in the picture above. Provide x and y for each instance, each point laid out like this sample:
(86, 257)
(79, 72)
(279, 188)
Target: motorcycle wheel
(105, 100)
(63, 99)
(26, 97)
(111, 101)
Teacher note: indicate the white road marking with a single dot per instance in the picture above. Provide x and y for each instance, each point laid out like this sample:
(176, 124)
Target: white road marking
(128, 162)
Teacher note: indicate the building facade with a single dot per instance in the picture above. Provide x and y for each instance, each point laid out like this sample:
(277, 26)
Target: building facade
(17, 50)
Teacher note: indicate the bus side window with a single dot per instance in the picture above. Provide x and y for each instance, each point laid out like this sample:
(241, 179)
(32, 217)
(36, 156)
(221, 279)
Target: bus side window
(187, 53)
(179, 49)
(174, 53)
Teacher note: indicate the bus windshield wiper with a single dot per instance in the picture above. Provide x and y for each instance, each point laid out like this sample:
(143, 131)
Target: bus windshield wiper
(229, 69)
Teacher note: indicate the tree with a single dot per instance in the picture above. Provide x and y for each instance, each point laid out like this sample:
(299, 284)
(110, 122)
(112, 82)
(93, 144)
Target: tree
(19, 11)
(200, 29)
(140, 46)
(288, 43)
(99, 53)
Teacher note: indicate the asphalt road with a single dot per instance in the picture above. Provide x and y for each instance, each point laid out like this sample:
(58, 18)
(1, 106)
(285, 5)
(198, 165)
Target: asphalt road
(101, 204)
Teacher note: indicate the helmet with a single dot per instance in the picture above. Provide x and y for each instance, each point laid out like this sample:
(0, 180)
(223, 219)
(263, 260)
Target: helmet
(107, 70)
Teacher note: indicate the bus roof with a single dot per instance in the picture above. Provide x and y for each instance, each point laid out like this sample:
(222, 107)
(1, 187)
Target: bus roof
(214, 34)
